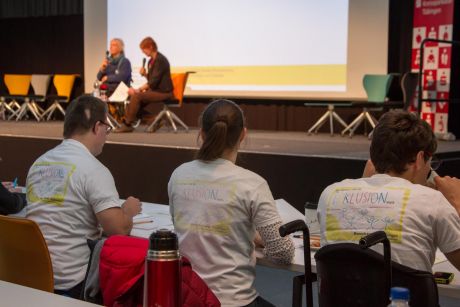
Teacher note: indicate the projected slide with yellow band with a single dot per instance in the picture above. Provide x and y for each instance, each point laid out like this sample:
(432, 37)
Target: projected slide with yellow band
(238, 45)
(274, 78)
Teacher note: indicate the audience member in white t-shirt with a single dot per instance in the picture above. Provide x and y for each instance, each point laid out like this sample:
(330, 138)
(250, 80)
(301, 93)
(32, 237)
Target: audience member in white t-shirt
(218, 208)
(396, 198)
(70, 193)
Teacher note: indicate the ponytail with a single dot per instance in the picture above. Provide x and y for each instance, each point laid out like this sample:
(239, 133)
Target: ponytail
(221, 123)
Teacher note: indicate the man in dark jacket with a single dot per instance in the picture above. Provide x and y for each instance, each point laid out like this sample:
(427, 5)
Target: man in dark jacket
(159, 86)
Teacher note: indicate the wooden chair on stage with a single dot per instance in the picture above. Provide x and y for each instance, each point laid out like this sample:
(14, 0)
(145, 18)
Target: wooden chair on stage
(179, 81)
(24, 255)
(64, 86)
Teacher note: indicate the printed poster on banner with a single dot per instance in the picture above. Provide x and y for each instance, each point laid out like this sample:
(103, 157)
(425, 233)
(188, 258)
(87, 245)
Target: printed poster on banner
(433, 19)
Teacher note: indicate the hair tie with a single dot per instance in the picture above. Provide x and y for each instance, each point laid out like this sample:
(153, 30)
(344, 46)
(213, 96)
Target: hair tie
(222, 119)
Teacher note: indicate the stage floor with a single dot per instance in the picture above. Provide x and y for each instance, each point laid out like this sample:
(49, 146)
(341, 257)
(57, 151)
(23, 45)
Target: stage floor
(272, 142)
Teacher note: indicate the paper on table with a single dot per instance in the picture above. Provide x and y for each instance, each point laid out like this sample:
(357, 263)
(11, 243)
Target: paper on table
(439, 257)
(287, 212)
(120, 94)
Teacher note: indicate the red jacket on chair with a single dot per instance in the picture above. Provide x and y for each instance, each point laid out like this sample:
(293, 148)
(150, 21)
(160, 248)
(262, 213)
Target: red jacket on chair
(121, 272)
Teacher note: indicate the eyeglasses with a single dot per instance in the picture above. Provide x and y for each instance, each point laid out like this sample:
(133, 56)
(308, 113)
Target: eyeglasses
(435, 163)
(108, 127)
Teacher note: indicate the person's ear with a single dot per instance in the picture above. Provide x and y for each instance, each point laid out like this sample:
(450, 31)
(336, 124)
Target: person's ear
(244, 132)
(420, 161)
(202, 135)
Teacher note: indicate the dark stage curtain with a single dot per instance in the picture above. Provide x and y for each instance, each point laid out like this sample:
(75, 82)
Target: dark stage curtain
(39, 8)
(400, 36)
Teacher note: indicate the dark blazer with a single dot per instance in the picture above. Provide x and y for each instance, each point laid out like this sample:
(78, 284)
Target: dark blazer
(159, 75)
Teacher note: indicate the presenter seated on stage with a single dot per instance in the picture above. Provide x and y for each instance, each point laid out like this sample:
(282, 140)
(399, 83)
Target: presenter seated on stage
(159, 86)
(396, 197)
(115, 68)
(218, 208)
(70, 193)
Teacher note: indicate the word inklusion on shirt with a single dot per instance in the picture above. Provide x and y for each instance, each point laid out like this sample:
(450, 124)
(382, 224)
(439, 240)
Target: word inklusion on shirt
(366, 198)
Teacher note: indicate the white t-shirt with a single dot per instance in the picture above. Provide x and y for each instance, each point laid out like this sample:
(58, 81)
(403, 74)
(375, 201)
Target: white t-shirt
(66, 187)
(416, 219)
(216, 207)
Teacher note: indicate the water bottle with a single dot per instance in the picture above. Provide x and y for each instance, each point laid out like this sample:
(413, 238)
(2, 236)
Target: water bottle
(399, 297)
(96, 92)
(162, 280)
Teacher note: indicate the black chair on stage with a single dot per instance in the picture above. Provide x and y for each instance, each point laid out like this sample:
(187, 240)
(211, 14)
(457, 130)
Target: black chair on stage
(353, 275)
(308, 277)
(409, 83)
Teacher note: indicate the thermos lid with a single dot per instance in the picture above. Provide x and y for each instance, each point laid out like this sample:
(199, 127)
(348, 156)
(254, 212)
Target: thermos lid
(163, 240)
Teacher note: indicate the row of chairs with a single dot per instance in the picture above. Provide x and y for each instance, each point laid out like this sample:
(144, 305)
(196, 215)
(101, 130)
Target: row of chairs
(28, 94)
(377, 88)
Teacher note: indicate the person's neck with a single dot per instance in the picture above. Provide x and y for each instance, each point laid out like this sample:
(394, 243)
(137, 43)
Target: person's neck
(86, 141)
(230, 155)
(116, 56)
(406, 175)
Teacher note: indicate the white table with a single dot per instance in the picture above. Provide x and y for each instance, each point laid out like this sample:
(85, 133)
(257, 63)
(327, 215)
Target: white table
(20, 296)
(162, 219)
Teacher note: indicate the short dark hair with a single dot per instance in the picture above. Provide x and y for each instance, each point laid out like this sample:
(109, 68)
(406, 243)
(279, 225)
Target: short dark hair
(82, 114)
(397, 139)
(222, 122)
(148, 42)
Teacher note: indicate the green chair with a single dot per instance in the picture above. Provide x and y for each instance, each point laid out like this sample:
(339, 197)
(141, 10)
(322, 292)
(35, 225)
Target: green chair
(376, 87)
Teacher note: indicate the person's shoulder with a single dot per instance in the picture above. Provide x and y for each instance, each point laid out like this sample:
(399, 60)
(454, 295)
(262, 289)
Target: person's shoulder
(248, 175)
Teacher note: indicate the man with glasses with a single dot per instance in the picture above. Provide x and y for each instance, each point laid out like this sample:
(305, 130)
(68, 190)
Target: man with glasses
(70, 193)
(416, 218)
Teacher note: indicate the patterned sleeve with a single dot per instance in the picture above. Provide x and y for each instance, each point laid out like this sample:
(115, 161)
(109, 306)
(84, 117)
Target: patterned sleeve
(277, 248)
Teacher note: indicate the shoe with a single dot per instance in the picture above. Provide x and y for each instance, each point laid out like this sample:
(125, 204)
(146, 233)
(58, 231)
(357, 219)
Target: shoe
(124, 128)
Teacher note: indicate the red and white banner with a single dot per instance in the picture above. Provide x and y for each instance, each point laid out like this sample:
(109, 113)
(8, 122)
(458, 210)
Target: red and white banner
(433, 19)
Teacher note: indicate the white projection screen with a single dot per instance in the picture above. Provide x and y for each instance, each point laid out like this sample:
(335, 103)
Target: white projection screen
(294, 49)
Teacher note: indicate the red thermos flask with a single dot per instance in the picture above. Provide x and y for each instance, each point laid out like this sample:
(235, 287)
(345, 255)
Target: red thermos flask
(162, 282)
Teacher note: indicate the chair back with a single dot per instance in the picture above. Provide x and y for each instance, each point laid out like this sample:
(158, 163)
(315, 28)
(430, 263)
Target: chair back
(179, 81)
(40, 84)
(24, 255)
(17, 84)
(376, 87)
(349, 275)
(409, 83)
(64, 85)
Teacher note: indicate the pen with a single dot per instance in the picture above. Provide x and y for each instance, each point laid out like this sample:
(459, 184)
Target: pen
(298, 236)
(15, 182)
(142, 222)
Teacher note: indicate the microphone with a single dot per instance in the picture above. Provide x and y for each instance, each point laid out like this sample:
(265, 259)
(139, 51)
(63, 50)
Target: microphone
(143, 62)
(107, 55)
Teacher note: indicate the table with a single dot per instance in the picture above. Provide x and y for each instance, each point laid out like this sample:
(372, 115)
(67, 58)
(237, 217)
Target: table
(162, 219)
(17, 295)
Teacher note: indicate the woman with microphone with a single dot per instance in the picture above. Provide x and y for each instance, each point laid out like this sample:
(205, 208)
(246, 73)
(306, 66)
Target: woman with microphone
(159, 86)
(116, 67)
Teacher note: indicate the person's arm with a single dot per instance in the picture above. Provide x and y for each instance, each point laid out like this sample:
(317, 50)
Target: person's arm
(454, 258)
(101, 73)
(124, 73)
(450, 188)
(11, 203)
(119, 221)
(160, 67)
(277, 248)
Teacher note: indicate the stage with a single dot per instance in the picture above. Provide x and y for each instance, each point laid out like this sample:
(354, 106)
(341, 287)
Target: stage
(297, 166)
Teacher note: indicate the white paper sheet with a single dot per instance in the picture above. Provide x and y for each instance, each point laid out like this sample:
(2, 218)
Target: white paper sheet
(120, 94)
